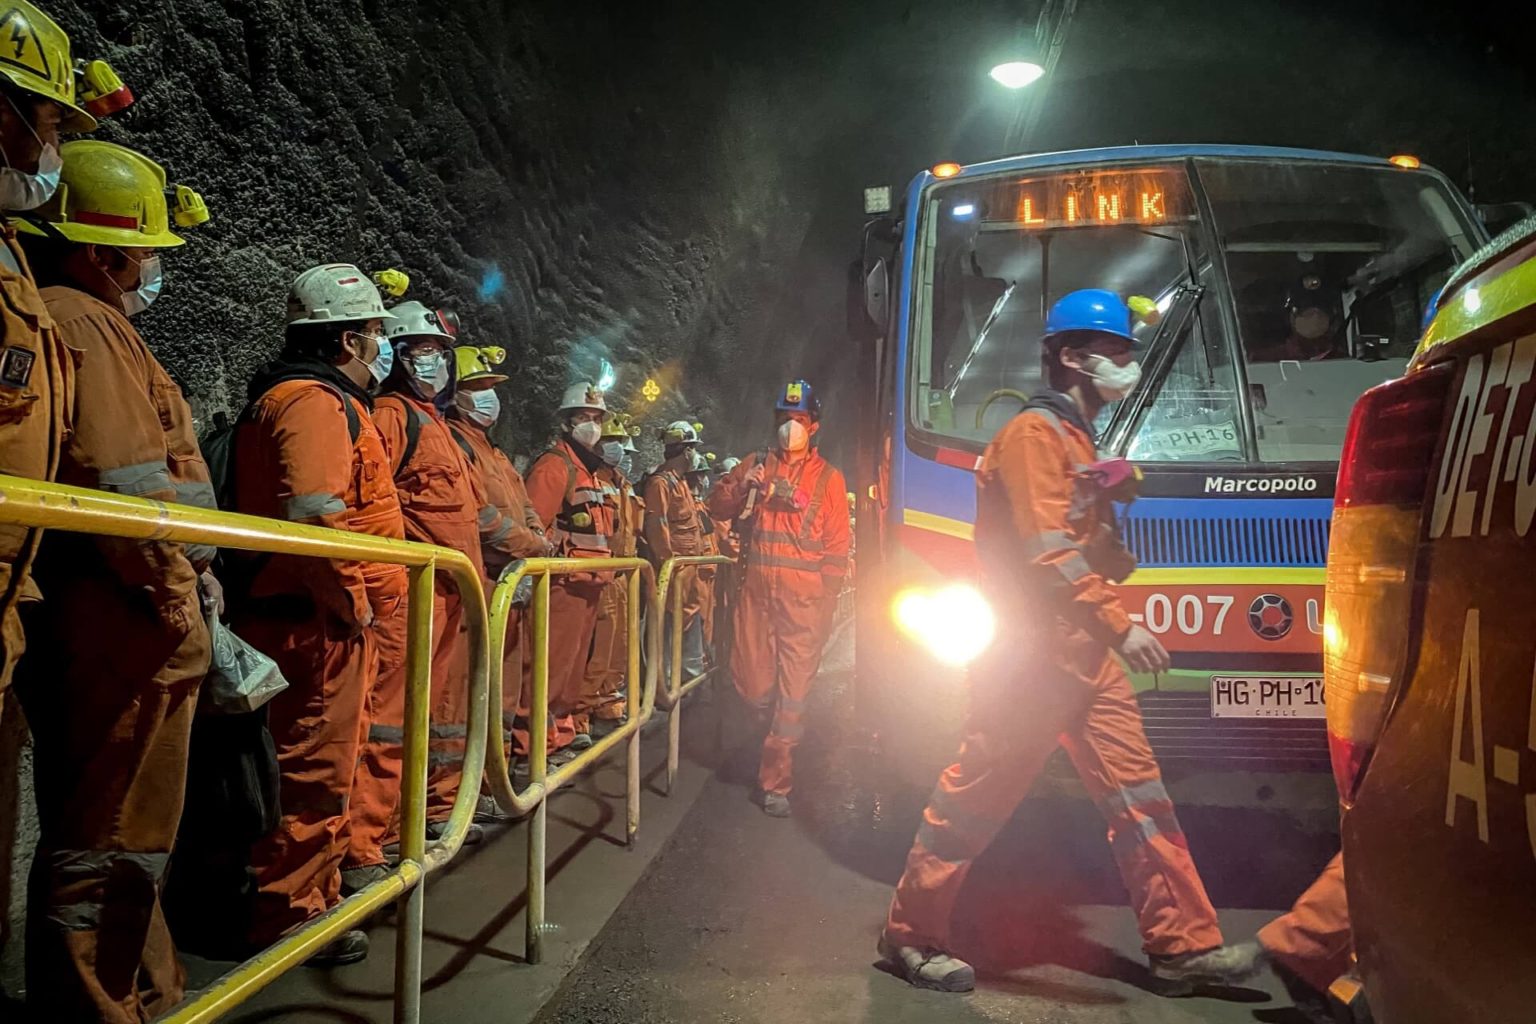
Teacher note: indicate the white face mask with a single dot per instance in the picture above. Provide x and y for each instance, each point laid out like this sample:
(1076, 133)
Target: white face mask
(429, 373)
(793, 437)
(151, 278)
(587, 434)
(479, 407)
(1112, 382)
(22, 191)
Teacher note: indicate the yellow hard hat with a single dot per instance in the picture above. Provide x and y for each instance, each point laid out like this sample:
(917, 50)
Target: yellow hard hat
(35, 58)
(475, 364)
(111, 195)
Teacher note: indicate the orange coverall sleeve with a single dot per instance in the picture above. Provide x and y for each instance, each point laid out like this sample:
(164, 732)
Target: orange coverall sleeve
(120, 444)
(312, 452)
(657, 507)
(546, 488)
(525, 538)
(836, 535)
(729, 495)
(1036, 471)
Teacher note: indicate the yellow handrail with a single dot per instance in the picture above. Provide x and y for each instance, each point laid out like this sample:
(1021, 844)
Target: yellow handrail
(676, 688)
(541, 782)
(33, 503)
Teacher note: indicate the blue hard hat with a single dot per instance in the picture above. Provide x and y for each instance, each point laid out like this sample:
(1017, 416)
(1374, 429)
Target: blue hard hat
(1096, 310)
(799, 396)
(1430, 309)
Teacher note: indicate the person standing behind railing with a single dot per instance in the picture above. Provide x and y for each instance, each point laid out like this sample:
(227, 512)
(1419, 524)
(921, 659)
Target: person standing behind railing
(444, 502)
(37, 102)
(709, 540)
(520, 534)
(672, 529)
(307, 451)
(565, 490)
(601, 705)
(110, 683)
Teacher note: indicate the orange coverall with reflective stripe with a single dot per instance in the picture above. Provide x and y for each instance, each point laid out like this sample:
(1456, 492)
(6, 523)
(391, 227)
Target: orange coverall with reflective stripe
(443, 501)
(319, 619)
(37, 399)
(795, 560)
(110, 686)
(602, 686)
(1050, 678)
(569, 499)
(1313, 939)
(519, 535)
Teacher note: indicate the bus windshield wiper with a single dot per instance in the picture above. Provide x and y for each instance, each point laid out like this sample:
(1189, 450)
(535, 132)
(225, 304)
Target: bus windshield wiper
(1159, 362)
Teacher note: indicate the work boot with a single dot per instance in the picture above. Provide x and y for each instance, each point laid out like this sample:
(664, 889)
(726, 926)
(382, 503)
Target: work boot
(359, 878)
(926, 967)
(437, 829)
(581, 741)
(605, 726)
(775, 805)
(1222, 967)
(487, 812)
(563, 756)
(347, 948)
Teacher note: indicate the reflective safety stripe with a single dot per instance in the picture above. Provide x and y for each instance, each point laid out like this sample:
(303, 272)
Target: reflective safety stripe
(788, 730)
(1148, 806)
(791, 705)
(792, 539)
(586, 496)
(201, 552)
(1074, 568)
(488, 515)
(835, 561)
(597, 541)
(136, 480)
(500, 534)
(1050, 540)
(443, 759)
(73, 867)
(196, 492)
(312, 506)
(784, 562)
(449, 732)
(386, 734)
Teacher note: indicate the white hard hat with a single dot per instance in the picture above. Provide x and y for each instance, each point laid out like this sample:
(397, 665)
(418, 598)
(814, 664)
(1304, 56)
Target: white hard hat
(333, 293)
(413, 320)
(729, 463)
(583, 396)
(680, 432)
(697, 463)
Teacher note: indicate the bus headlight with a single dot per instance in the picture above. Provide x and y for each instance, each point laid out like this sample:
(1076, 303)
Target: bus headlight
(954, 623)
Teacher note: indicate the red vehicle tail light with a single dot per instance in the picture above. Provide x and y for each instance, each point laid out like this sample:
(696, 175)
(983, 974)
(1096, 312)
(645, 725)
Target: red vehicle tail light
(1377, 521)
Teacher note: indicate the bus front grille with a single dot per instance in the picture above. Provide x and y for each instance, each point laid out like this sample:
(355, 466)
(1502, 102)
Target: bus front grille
(1182, 732)
(1224, 539)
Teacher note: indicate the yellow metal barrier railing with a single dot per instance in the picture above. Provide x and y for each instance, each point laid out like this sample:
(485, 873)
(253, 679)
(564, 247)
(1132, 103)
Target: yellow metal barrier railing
(33, 503)
(542, 782)
(671, 598)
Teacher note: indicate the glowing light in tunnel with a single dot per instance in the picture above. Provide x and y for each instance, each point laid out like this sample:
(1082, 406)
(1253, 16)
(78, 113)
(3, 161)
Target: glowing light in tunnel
(607, 378)
(491, 284)
(1016, 74)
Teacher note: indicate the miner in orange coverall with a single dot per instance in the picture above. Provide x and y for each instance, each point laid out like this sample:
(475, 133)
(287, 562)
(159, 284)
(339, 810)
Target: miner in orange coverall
(1310, 945)
(520, 534)
(601, 706)
(674, 528)
(1047, 544)
(565, 489)
(789, 508)
(120, 645)
(307, 451)
(710, 538)
(443, 500)
(37, 102)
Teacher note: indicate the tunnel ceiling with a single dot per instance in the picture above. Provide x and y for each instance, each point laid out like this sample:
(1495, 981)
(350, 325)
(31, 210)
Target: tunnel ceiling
(675, 187)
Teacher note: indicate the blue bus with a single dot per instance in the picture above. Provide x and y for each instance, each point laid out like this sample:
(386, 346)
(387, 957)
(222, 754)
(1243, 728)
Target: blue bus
(1272, 287)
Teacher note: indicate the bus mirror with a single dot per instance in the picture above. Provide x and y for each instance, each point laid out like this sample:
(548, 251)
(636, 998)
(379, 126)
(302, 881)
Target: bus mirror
(1498, 216)
(1257, 397)
(877, 294)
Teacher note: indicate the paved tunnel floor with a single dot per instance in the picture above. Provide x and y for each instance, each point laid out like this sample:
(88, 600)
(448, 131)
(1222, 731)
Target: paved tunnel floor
(744, 918)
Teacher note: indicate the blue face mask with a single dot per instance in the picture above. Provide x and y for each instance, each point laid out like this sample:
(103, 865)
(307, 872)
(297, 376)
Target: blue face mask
(613, 452)
(382, 363)
(429, 373)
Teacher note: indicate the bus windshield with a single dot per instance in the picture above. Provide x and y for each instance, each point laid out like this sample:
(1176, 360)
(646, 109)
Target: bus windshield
(1304, 289)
